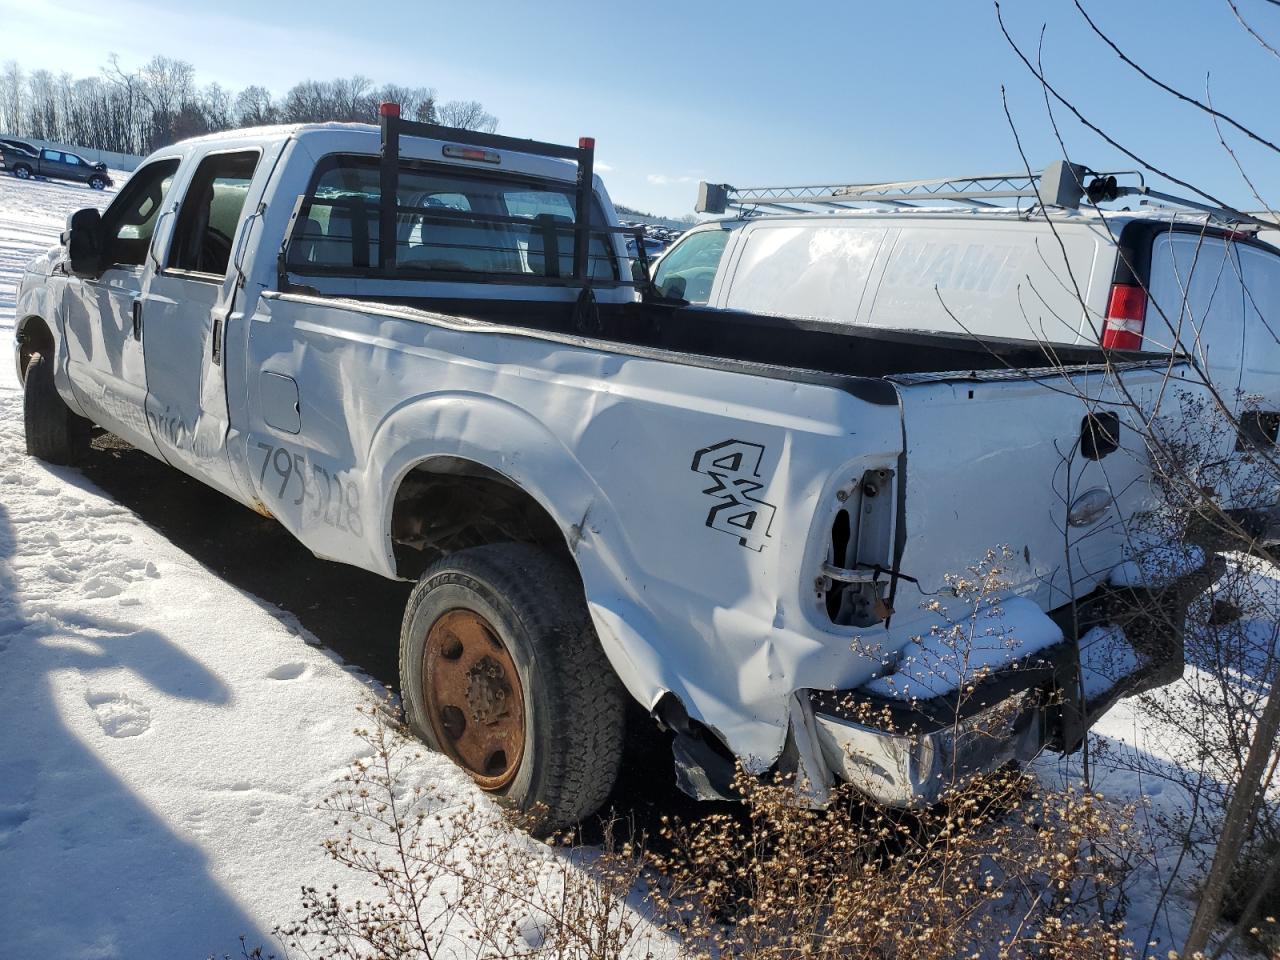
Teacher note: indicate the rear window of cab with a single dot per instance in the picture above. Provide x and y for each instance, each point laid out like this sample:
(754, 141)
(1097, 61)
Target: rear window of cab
(459, 222)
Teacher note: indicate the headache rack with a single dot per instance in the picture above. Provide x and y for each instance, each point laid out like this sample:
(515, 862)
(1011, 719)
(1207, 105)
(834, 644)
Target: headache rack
(1061, 184)
(558, 236)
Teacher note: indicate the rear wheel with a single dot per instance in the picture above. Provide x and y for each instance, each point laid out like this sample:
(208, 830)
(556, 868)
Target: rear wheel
(54, 433)
(97, 182)
(501, 671)
(22, 172)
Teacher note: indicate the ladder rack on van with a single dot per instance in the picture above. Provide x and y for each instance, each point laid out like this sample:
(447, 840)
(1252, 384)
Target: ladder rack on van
(1060, 184)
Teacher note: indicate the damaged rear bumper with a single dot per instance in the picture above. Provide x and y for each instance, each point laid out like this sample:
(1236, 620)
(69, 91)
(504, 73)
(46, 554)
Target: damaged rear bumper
(1117, 642)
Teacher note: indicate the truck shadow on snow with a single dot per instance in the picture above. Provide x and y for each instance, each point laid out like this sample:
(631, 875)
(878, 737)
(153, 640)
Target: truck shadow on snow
(351, 612)
(89, 867)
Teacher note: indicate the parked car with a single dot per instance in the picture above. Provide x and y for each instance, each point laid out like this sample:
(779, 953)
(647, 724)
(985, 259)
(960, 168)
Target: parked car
(56, 165)
(652, 246)
(436, 367)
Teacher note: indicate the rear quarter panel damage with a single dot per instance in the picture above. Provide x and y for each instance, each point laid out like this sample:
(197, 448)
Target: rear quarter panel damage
(698, 525)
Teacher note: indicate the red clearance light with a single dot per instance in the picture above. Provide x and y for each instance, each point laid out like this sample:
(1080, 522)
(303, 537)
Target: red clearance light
(388, 109)
(586, 143)
(1126, 317)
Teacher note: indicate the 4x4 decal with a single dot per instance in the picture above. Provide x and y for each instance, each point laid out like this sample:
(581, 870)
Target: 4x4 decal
(734, 465)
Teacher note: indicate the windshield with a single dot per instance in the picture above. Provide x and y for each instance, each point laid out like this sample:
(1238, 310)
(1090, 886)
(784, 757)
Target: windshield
(688, 271)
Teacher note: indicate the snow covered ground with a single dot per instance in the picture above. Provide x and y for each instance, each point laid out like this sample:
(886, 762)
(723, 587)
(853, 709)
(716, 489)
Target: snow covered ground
(166, 737)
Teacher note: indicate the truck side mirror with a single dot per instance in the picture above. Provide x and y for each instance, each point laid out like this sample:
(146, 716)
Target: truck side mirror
(83, 240)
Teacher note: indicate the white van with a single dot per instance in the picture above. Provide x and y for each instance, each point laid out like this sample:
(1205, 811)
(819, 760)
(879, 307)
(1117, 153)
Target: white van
(1147, 280)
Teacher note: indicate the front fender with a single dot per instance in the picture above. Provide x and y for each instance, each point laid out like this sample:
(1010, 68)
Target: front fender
(39, 301)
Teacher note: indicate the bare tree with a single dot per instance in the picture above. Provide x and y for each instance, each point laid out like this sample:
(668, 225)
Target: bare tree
(254, 107)
(11, 97)
(306, 102)
(467, 115)
(416, 102)
(126, 112)
(137, 110)
(215, 101)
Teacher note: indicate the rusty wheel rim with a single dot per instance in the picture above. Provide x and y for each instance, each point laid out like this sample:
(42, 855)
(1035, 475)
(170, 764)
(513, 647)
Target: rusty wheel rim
(474, 698)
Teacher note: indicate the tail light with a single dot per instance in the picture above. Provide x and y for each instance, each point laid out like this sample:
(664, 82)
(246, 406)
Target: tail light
(1126, 316)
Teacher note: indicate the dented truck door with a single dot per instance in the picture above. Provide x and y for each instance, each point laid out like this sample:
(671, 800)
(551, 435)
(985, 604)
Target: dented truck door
(185, 312)
(102, 315)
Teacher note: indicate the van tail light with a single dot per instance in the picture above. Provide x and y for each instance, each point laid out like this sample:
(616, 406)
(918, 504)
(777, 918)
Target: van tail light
(1126, 316)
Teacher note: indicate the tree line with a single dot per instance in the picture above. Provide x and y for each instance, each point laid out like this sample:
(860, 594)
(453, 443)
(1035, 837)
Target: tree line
(137, 111)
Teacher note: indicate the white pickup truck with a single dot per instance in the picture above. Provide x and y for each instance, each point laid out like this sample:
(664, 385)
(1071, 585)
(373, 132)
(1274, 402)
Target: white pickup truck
(423, 351)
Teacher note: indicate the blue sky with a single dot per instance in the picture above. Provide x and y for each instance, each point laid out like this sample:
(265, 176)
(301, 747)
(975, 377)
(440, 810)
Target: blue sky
(748, 93)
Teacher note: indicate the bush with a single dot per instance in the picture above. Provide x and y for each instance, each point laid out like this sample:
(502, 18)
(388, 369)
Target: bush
(1003, 867)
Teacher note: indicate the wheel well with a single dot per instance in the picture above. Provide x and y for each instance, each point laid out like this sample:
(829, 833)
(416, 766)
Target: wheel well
(34, 336)
(447, 504)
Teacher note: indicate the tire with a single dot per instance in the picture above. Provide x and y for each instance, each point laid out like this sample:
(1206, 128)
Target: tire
(97, 183)
(54, 433)
(22, 172)
(571, 704)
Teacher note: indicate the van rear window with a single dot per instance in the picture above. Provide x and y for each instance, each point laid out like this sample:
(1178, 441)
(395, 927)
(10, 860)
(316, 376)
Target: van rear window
(459, 224)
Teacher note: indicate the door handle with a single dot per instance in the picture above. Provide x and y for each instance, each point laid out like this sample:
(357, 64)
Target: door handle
(137, 319)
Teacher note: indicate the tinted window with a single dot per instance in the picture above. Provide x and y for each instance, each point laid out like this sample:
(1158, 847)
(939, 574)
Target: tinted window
(689, 270)
(131, 219)
(460, 222)
(72, 159)
(53, 156)
(210, 213)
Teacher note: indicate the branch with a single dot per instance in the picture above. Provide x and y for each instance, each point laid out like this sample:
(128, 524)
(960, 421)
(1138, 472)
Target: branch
(1218, 114)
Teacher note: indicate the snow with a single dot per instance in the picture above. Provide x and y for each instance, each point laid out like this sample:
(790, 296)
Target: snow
(1106, 658)
(1134, 759)
(992, 637)
(1157, 566)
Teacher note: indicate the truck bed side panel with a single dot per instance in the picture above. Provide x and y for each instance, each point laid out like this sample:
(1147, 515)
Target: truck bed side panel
(697, 502)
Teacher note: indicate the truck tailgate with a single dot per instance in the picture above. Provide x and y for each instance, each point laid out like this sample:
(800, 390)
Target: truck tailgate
(999, 460)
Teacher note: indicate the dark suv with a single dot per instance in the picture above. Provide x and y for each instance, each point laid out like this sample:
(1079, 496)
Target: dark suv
(55, 165)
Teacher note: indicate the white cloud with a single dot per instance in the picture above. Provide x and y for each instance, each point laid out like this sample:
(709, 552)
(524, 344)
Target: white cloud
(662, 180)
(601, 167)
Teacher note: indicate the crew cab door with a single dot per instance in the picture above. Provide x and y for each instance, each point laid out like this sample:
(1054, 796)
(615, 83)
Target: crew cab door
(102, 316)
(73, 168)
(51, 164)
(185, 310)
